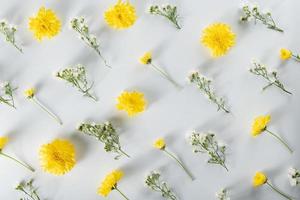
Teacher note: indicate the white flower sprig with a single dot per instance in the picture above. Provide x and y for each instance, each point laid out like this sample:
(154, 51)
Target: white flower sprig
(207, 143)
(153, 182)
(31, 95)
(28, 190)
(77, 77)
(222, 195)
(270, 77)
(294, 176)
(80, 26)
(9, 33)
(6, 94)
(167, 11)
(252, 12)
(204, 85)
(106, 134)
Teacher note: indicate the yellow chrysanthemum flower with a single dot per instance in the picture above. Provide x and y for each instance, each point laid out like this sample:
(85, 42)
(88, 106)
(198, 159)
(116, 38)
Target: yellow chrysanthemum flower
(121, 15)
(44, 24)
(259, 179)
(260, 124)
(131, 102)
(3, 142)
(159, 143)
(57, 157)
(285, 54)
(29, 93)
(219, 38)
(110, 182)
(146, 58)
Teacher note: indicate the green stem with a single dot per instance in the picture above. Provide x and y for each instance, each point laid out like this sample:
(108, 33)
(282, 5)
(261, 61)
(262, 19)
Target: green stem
(280, 140)
(17, 161)
(37, 102)
(165, 75)
(123, 152)
(279, 192)
(121, 193)
(297, 57)
(180, 164)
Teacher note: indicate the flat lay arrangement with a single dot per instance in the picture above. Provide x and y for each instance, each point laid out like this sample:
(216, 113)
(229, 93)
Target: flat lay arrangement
(132, 99)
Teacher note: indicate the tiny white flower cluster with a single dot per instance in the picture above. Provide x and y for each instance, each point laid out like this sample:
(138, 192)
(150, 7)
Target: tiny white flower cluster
(252, 12)
(6, 94)
(207, 143)
(222, 195)
(204, 85)
(9, 33)
(105, 133)
(153, 182)
(77, 77)
(271, 77)
(80, 26)
(167, 11)
(294, 176)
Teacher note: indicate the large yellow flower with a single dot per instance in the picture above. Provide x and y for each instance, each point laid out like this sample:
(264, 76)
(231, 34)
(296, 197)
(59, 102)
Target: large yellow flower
(259, 179)
(44, 24)
(159, 143)
(57, 157)
(260, 124)
(219, 38)
(285, 54)
(3, 142)
(121, 15)
(146, 58)
(132, 102)
(110, 182)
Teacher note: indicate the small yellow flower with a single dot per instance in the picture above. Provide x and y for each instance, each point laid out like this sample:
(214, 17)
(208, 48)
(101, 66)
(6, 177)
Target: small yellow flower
(159, 143)
(29, 93)
(121, 15)
(219, 38)
(57, 157)
(131, 102)
(110, 182)
(260, 124)
(285, 54)
(44, 24)
(3, 142)
(259, 179)
(146, 58)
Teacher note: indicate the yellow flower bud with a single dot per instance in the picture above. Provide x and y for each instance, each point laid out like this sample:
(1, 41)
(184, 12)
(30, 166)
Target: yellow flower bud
(259, 179)
(146, 58)
(3, 142)
(29, 93)
(160, 143)
(259, 125)
(285, 54)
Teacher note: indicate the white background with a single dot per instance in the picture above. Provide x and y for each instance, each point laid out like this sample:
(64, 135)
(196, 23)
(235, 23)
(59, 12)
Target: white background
(170, 113)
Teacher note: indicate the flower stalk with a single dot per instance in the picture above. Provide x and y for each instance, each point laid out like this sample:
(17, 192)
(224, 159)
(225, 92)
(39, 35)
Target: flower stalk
(270, 77)
(153, 182)
(44, 108)
(77, 77)
(106, 134)
(17, 161)
(6, 94)
(79, 25)
(164, 74)
(9, 33)
(120, 192)
(179, 162)
(168, 11)
(278, 191)
(280, 140)
(29, 190)
(204, 85)
(254, 13)
(206, 143)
